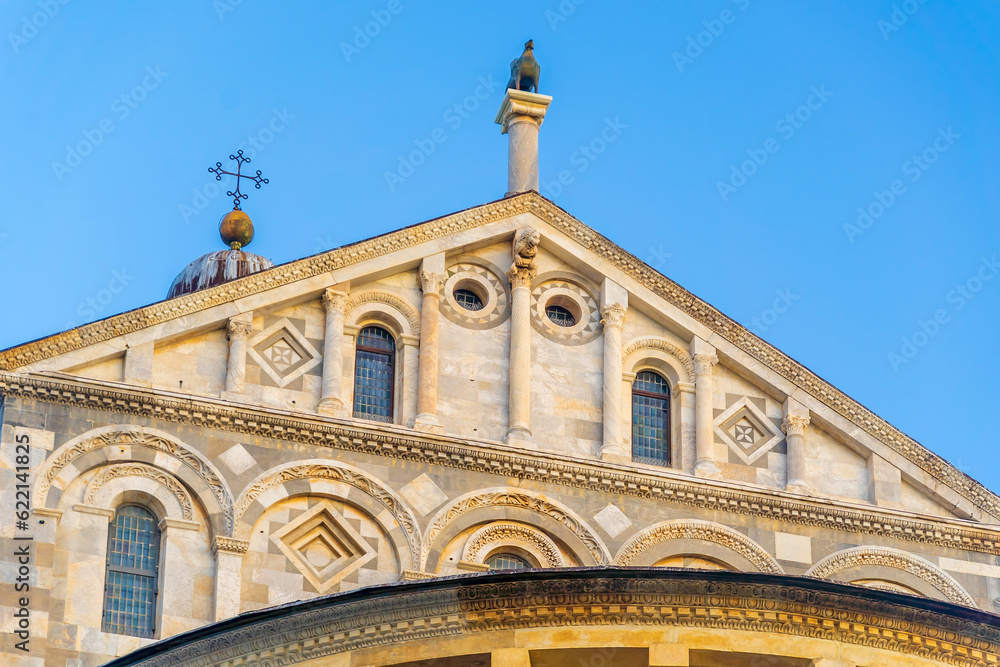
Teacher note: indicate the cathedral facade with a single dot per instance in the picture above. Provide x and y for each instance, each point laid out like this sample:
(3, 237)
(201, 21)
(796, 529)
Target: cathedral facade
(492, 438)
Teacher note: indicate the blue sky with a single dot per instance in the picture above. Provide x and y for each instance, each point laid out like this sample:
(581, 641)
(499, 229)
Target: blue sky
(824, 173)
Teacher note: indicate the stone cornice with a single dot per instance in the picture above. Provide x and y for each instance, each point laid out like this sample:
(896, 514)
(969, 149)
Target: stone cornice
(628, 598)
(529, 202)
(495, 458)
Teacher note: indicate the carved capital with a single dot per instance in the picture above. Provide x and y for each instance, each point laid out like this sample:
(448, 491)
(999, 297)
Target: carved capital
(613, 315)
(519, 277)
(794, 424)
(238, 329)
(431, 282)
(334, 300)
(703, 364)
(230, 545)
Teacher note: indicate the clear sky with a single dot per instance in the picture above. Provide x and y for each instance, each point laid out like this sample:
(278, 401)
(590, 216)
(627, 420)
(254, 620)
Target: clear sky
(823, 172)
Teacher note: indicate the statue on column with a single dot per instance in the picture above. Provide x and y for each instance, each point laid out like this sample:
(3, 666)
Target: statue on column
(524, 71)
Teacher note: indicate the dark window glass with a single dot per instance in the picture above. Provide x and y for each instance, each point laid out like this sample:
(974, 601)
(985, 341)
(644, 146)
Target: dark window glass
(560, 316)
(504, 561)
(373, 374)
(468, 299)
(651, 419)
(130, 578)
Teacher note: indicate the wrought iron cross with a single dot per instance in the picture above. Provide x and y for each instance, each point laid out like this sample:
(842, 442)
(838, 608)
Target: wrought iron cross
(236, 194)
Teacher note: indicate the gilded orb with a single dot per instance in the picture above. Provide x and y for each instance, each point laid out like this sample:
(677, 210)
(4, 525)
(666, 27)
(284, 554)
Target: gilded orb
(236, 229)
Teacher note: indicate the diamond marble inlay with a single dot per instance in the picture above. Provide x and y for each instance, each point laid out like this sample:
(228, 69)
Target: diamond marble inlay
(323, 546)
(747, 430)
(283, 352)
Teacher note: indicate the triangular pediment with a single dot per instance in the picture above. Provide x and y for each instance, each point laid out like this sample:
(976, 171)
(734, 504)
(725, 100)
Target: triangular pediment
(285, 349)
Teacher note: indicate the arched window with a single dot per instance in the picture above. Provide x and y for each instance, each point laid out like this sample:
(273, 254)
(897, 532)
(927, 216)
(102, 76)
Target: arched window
(374, 368)
(651, 419)
(507, 561)
(130, 580)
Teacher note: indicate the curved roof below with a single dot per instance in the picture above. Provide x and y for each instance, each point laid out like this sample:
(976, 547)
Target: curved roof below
(690, 614)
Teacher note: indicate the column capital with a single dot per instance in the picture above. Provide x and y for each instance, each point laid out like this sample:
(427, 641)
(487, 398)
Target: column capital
(334, 299)
(229, 545)
(794, 424)
(521, 277)
(613, 315)
(703, 363)
(521, 106)
(431, 282)
(239, 327)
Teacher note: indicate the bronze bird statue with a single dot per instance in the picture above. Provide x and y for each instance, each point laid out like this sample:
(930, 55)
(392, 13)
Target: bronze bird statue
(524, 71)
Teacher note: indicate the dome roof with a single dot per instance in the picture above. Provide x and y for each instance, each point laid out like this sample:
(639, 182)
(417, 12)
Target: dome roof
(216, 268)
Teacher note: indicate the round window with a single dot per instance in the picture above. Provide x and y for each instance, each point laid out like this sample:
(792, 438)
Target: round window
(560, 316)
(468, 299)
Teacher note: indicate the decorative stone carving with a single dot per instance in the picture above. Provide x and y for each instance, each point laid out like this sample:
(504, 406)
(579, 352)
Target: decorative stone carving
(372, 439)
(238, 329)
(323, 546)
(489, 538)
(346, 475)
(335, 300)
(409, 313)
(283, 352)
(897, 560)
(572, 296)
(665, 346)
(135, 437)
(613, 315)
(161, 477)
(703, 364)
(486, 283)
(431, 282)
(504, 498)
(749, 433)
(230, 545)
(794, 424)
(524, 249)
(692, 529)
